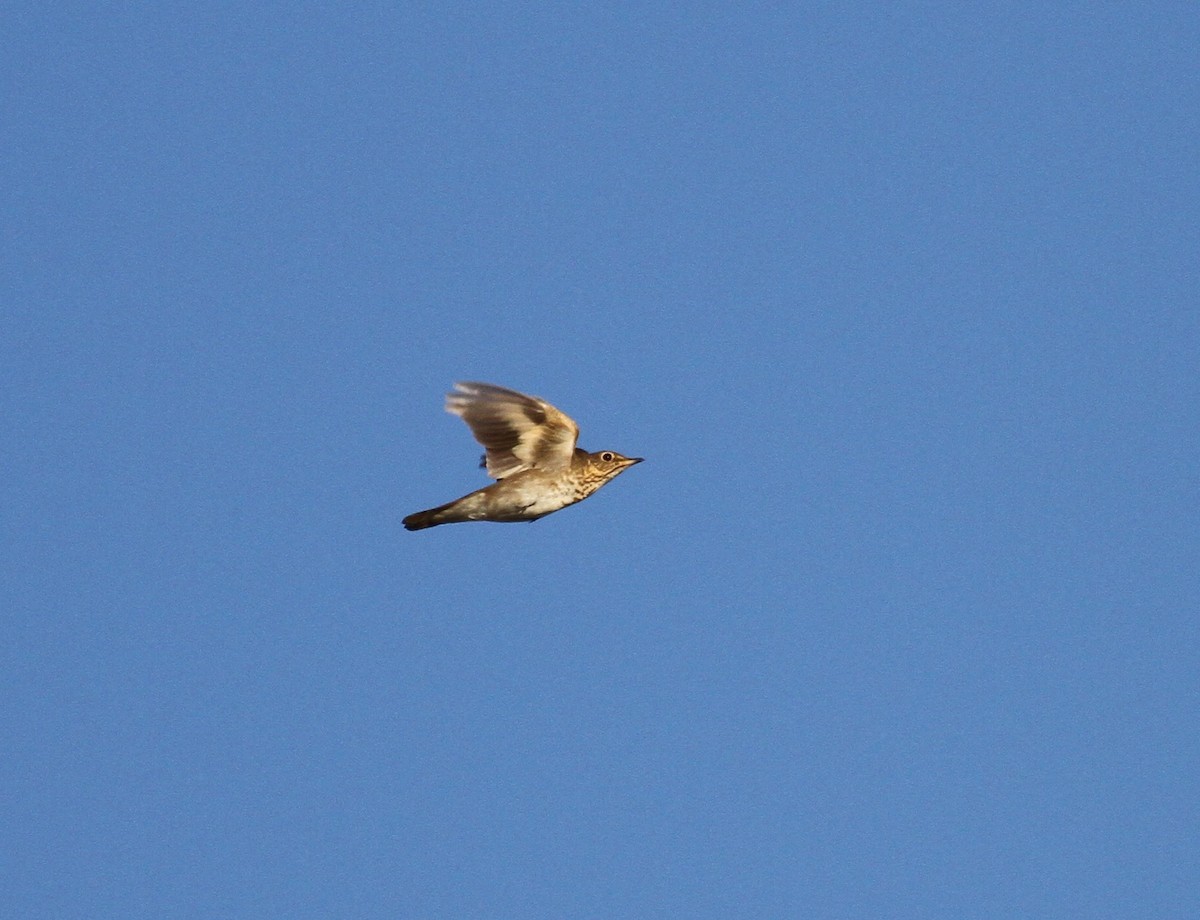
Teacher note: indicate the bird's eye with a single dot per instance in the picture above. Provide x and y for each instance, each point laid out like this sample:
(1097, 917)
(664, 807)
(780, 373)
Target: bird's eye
(607, 456)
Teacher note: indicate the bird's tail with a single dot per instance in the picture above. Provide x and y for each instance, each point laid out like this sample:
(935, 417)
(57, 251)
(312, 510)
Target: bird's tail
(431, 518)
(422, 519)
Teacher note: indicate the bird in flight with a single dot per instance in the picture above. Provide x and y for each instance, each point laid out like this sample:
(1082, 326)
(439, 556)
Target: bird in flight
(530, 449)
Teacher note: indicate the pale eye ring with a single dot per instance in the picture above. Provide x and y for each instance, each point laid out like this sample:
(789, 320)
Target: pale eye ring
(607, 456)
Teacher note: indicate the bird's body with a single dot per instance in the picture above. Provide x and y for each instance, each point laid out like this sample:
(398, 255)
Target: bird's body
(530, 450)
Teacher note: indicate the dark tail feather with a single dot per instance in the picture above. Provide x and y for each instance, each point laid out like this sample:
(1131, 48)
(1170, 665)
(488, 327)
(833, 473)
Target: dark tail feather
(430, 518)
(420, 521)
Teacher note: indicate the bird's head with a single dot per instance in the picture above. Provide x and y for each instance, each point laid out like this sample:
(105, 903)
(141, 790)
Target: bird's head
(606, 463)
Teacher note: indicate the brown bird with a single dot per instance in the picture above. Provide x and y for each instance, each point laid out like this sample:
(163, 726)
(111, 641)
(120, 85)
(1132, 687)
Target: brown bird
(530, 450)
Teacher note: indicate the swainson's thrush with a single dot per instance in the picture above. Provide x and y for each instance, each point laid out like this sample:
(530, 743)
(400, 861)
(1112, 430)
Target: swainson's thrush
(531, 451)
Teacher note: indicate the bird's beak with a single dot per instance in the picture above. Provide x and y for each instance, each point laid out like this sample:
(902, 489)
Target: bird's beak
(633, 460)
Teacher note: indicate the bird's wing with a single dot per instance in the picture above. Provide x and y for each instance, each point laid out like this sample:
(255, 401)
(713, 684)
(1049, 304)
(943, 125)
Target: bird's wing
(519, 431)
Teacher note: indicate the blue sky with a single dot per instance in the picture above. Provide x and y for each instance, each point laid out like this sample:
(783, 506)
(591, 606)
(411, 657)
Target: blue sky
(899, 618)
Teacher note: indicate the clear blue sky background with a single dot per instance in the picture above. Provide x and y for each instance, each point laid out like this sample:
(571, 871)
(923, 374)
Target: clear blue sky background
(899, 618)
